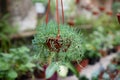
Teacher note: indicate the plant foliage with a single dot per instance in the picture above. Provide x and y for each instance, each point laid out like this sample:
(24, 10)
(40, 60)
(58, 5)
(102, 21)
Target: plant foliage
(74, 52)
(5, 32)
(16, 63)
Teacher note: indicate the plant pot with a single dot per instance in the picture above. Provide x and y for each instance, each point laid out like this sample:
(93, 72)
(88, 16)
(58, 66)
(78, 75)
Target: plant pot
(113, 74)
(26, 76)
(92, 61)
(113, 61)
(84, 62)
(118, 16)
(55, 44)
(101, 8)
(100, 77)
(118, 48)
(118, 62)
(103, 53)
(112, 50)
(54, 77)
(95, 13)
(70, 73)
(109, 13)
(70, 23)
(77, 65)
(77, 1)
(97, 59)
(41, 74)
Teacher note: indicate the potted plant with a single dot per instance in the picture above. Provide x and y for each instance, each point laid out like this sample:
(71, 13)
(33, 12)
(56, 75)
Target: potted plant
(67, 34)
(116, 41)
(17, 64)
(92, 54)
(56, 45)
(81, 21)
(5, 33)
(97, 40)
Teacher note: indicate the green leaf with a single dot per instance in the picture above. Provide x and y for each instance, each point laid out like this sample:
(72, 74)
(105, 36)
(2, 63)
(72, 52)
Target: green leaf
(30, 65)
(4, 66)
(12, 74)
(72, 68)
(51, 70)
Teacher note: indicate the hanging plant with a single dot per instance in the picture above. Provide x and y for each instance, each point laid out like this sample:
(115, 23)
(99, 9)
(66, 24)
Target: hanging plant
(57, 44)
(67, 48)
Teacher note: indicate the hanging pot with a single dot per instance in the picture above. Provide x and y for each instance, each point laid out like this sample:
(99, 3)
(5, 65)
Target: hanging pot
(118, 16)
(101, 8)
(56, 45)
(109, 13)
(95, 12)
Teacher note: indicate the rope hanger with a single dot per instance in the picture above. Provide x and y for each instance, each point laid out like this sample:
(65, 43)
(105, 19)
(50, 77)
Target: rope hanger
(57, 15)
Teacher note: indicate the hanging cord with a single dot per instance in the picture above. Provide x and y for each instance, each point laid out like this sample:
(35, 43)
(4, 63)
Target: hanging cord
(57, 15)
(62, 11)
(47, 13)
(58, 19)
